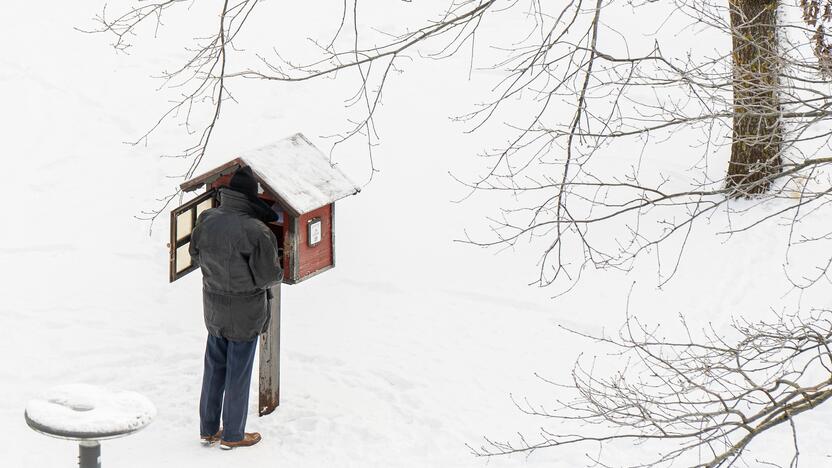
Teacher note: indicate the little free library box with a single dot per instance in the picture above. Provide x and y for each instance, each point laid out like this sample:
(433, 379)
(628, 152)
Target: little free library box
(300, 183)
(300, 180)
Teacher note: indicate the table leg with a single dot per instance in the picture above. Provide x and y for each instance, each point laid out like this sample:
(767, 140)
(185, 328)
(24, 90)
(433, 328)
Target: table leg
(89, 454)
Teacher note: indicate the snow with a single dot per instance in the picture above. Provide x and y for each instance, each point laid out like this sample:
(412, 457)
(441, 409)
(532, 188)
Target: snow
(83, 411)
(400, 356)
(299, 173)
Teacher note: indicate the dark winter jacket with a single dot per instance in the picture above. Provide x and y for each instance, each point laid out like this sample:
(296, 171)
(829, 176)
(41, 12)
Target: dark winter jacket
(238, 256)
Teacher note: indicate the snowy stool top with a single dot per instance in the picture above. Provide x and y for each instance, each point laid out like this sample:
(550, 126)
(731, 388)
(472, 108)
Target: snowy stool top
(87, 412)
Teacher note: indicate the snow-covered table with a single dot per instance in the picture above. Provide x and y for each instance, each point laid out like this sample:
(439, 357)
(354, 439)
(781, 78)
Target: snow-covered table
(88, 414)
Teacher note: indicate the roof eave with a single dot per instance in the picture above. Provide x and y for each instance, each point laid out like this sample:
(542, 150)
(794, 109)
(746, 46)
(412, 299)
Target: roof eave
(205, 178)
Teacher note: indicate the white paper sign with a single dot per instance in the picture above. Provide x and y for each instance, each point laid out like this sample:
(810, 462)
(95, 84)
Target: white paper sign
(314, 232)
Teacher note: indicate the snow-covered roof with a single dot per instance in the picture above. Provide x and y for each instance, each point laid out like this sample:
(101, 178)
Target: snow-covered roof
(293, 169)
(299, 173)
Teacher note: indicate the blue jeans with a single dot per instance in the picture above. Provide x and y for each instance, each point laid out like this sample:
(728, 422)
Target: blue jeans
(225, 386)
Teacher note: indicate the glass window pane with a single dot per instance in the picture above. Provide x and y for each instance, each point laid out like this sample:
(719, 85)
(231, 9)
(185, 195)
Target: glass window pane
(204, 206)
(184, 222)
(183, 258)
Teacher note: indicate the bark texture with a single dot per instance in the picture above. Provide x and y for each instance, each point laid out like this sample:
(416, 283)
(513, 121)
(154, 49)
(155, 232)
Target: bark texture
(757, 133)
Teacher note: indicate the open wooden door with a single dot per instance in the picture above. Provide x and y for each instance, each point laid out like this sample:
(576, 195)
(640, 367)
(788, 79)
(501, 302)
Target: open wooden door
(182, 222)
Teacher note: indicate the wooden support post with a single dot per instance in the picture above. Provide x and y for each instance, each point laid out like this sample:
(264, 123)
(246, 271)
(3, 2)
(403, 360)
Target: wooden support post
(270, 358)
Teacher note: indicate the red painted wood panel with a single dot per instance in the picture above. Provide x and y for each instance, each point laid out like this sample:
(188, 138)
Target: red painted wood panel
(314, 258)
(222, 181)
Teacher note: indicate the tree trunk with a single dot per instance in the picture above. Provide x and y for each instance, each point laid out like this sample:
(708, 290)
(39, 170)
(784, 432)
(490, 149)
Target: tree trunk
(757, 136)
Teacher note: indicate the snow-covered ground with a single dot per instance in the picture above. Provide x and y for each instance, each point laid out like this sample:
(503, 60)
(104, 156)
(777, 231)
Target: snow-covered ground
(400, 356)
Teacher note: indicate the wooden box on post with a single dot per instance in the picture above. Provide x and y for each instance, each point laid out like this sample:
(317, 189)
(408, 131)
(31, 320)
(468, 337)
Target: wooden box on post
(299, 182)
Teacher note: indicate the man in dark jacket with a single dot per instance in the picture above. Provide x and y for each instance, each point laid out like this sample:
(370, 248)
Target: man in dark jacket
(238, 256)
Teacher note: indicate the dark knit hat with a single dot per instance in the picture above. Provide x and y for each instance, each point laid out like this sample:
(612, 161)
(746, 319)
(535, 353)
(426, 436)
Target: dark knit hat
(243, 181)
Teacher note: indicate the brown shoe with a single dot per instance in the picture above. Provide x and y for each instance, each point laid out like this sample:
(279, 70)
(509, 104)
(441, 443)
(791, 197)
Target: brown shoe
(210, 439)
(249, 439)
